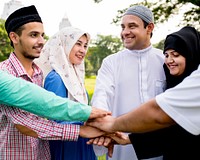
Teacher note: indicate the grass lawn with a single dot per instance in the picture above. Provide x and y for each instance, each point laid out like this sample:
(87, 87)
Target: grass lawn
(90, 84)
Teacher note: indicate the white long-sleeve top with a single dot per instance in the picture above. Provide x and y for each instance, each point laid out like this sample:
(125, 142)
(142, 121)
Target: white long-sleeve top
(182, 103)
(125, 80)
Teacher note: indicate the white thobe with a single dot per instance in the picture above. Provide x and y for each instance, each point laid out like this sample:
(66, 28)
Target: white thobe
(126, 80)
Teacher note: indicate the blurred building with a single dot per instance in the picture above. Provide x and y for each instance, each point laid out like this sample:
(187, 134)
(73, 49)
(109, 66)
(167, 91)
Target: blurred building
(64, 22)
(10, 7)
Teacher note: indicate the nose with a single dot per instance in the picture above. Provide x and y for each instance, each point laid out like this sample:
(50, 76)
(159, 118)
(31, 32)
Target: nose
(41, 40)
(125, 31)
(169, 59)
(82, 49)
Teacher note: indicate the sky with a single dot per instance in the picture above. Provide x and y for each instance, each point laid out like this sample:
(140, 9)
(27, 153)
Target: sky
(94, 18)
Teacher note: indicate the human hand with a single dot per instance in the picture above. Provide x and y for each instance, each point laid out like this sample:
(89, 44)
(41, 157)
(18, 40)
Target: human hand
(90, 132)
(26, 131)
(103, 141)
(109, 140)
(100, 141)
(98, 113)
(115, 138)
(120, 138)
(105, 123)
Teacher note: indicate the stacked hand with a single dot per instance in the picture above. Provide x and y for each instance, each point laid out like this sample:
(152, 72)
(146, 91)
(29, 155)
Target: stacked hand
(109, 140)
(98, 113)
(105, 123)
(110, 137)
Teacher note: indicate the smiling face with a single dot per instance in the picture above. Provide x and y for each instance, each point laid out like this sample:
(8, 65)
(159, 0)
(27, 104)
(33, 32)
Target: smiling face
(30, 42)
(78, 51)
(175, 62)
(134, 35)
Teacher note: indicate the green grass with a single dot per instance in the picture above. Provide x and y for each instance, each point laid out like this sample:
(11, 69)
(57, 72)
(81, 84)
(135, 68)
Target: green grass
(102, 157)
(90, 84)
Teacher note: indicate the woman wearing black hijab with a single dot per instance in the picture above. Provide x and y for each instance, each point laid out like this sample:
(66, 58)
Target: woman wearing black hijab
(173, 143)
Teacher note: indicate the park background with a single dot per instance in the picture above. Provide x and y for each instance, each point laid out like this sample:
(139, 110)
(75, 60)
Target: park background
(102, 19)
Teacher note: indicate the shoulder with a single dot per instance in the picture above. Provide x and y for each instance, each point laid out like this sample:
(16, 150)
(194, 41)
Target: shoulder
(53, 76)
(157, 52)
(115, 56)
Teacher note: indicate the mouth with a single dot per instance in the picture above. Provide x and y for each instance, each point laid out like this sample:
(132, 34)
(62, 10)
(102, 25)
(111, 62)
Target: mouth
(172, 66)
(38, 48)
(128, 39)
(80, 57)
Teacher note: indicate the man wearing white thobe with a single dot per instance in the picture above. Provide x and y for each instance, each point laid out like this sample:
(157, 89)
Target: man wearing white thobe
(132, 76)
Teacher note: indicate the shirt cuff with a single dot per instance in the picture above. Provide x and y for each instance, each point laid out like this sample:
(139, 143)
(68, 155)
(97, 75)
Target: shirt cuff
(71, 132)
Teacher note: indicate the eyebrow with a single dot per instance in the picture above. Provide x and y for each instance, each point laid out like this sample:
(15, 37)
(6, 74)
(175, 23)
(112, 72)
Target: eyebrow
(170, 52)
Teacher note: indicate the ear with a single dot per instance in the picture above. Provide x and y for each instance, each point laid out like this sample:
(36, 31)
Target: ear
(14, 37)
(150, 28)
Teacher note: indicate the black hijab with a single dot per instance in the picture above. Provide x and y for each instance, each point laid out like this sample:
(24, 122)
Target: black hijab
(186, 42)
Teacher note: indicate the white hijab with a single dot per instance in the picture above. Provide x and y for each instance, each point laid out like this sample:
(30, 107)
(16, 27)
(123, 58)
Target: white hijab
(55, 55)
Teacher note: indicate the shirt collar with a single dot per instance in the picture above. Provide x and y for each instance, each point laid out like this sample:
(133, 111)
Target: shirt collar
(19, 68)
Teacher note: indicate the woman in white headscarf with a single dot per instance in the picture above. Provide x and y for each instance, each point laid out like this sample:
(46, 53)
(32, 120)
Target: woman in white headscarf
(62, 62)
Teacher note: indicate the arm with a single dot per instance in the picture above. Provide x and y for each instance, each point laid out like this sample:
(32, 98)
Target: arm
(85, 131)
(176, 105)
(104, 89)
(30, 97)
(42, 128)
(103, 94)
(148, 117)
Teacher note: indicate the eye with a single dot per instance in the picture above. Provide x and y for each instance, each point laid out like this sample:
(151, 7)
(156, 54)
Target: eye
(132, 26)
(34, 35)
(85, 46)
(176, 54)
(122, 26)
(78, 43)
(166, 55)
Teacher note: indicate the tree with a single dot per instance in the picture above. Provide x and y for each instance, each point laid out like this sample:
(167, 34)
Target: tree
(5, 47)
(101, 48)
(160, 44)
(165, 9)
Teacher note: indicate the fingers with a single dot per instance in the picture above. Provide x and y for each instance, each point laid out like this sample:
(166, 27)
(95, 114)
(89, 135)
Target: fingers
(105, 123)
(90, 132)
(91, 141)
(101, 141)
(121, 138)
(107, 141)
(98, 113)
(110, 150)
(97, 141)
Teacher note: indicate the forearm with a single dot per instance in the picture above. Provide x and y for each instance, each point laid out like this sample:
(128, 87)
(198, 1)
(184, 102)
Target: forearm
(147, 117)
(35, 126)
(30, 97)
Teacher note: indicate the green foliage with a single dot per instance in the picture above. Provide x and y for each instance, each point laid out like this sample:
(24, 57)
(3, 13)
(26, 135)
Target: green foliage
(101, 48)
(165, 9)
(5, 47)
(160, 45)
